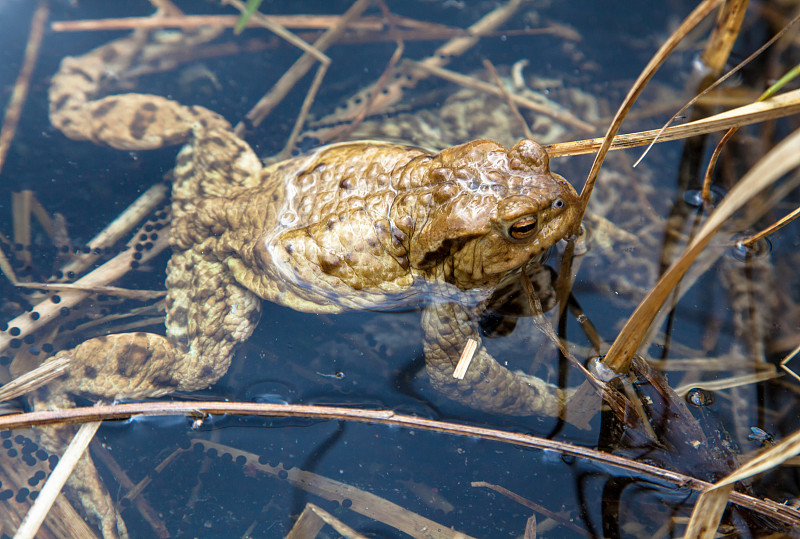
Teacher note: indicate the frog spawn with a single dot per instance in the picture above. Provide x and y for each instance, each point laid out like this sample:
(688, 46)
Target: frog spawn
(24, 468)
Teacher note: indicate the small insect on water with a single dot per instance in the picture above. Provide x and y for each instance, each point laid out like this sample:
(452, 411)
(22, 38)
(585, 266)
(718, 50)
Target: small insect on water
(761, 436)
(338, 375)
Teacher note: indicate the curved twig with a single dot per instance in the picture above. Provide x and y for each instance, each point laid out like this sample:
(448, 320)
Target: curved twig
(773, 509)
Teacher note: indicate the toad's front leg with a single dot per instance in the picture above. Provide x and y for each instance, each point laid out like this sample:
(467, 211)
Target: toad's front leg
(487, 385)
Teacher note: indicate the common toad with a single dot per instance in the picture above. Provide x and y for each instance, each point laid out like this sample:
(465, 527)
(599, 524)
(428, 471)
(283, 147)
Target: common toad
(357, 225)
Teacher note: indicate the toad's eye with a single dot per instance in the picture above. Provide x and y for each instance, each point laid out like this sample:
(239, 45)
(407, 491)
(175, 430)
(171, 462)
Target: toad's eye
(558, 204)
(523, 229)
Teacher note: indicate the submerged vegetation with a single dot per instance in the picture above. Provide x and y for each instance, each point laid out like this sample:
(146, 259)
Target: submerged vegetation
(677, 322)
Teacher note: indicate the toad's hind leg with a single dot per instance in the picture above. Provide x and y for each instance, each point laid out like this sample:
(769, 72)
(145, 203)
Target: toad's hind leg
(79, 109)
(208, 314)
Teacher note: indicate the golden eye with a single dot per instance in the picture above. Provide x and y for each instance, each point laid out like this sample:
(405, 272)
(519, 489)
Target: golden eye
(523, 229)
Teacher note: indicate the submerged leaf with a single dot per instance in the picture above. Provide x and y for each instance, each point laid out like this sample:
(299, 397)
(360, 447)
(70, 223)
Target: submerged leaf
(252, 7)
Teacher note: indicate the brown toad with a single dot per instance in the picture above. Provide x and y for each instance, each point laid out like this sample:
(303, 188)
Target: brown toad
(360, 225)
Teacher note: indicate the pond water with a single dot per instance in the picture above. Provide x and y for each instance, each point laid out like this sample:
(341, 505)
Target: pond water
(223, 476)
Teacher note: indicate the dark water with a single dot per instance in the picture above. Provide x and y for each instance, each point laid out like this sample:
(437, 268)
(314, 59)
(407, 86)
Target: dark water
(374, 360)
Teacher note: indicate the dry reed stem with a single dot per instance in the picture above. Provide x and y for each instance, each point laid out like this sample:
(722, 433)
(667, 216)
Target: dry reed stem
(145, 509)
(411, 29)
(43, 217)
(486, 24)
(451, 49)
(585, 402)
(108, 272)
(466, 81)
(776, 107)
(774, 227)
(692, 20)
(5, 265)
(307, 526)
(300, 68)
(116, 291)
(530, 528)
(24, 204)
(21, 222)
(43, 374)
(543, 325)
(530, 505)
(40, 508)
(279, 31)
(120, 226)
(701, 97)
(712, 162)
(707, 513)
(507, 96)
(128, 313)
(304, 108)
(709, 364)
(724, 35)
(778, 511)
(362, 502)
(731, 381)
(784, 157)
(466, 359)
(785, 363)
(307, 22)
(320, 517)
(20, 92)
(709, 507)
(139, 487)
(380, 84)
(64, 520)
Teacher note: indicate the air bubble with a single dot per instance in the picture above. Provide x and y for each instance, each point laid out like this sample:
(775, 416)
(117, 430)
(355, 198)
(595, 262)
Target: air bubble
(698, 396)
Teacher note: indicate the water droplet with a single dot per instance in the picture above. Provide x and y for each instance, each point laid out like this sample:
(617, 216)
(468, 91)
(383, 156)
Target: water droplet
(288, 218)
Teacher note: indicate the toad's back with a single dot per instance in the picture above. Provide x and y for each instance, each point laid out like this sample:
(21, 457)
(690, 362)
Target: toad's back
(370, 224)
